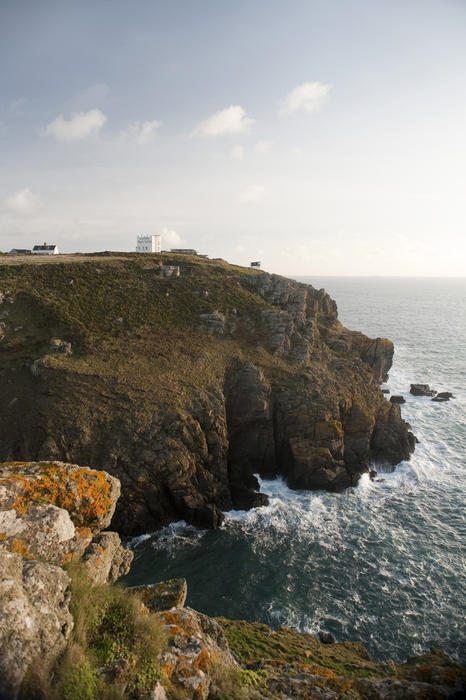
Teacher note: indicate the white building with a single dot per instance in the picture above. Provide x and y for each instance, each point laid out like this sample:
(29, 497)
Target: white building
(45, 249)
(149, 244)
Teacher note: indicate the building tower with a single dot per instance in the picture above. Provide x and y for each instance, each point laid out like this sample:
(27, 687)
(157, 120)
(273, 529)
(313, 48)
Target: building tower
(149, 244)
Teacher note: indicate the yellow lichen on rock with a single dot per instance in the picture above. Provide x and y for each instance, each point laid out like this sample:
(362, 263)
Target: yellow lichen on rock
(87, 494)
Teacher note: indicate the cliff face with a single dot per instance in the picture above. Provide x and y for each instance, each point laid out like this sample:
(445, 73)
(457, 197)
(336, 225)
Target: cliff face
(185, 388)
(50, 514)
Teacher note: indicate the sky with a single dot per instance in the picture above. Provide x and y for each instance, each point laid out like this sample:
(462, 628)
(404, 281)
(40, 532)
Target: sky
(322, 137)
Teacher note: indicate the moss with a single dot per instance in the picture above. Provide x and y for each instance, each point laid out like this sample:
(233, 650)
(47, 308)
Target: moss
(81, 682)
(252, 641)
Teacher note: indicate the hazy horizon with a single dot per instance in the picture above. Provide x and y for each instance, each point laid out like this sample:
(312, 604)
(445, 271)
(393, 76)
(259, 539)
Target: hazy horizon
(323, 139)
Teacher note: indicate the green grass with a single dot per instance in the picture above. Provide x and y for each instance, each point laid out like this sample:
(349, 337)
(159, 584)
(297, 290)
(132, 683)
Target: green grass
(109, 624)
(253, 641)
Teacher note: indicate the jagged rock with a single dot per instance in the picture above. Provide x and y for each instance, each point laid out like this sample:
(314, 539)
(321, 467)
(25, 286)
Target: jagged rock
(105, 559)
(395, 689)
(35, 621)
(421, 390)
(61, 346)
(397, 399)
(213, 323)
(163, 596)
(443, 396)
(88, 495)
(195, 643)
(116, 674)
(52, 511)
(325, 637)
(158, 693)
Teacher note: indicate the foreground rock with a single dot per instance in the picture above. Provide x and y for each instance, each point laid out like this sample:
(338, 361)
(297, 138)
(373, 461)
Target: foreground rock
(50, 513)
(164, 595)
(54, 511)
(35, 621)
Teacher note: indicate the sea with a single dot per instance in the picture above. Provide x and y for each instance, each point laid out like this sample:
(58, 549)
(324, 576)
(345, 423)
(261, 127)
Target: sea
(384, 562)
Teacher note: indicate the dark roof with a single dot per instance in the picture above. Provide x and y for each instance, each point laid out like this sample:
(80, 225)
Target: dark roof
(44, 247)
(19, 251)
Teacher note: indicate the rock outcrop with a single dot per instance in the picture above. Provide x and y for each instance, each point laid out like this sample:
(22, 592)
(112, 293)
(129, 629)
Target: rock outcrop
(225, 374)
(35, 621)
(50, 514)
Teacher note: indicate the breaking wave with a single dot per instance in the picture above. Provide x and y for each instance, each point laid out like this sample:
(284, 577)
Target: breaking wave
(382, 562)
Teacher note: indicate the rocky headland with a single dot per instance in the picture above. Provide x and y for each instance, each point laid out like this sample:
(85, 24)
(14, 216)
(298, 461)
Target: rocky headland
(182, 388)
(185, 387)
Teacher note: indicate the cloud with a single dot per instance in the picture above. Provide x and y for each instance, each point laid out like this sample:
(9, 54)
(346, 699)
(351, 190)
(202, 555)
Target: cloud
(79, 127)
(142, 132)
(237, 153)
(231, 120)
(263, 146)
(23, 202)
(254, 193)
(170, 238)
(308, 97)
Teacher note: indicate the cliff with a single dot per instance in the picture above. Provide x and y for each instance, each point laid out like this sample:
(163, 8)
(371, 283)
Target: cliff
(185, 387)
(66, 634)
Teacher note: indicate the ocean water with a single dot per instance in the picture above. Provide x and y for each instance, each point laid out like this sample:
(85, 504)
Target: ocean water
(383, 562)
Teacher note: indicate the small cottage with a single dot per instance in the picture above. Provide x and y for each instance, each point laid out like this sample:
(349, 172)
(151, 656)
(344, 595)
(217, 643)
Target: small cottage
(45, 249)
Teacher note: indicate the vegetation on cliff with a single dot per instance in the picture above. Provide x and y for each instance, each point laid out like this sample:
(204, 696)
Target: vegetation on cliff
(184, 387)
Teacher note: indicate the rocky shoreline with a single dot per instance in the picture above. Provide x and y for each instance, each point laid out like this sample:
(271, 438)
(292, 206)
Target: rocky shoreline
(225, 373)
(54, 513)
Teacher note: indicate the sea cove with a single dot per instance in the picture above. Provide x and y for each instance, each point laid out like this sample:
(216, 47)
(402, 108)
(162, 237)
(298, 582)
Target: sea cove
(383, 562)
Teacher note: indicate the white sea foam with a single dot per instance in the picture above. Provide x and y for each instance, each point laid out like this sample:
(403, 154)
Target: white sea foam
(382, 561)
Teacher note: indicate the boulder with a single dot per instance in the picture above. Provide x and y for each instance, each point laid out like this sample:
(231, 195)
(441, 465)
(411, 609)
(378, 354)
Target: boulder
(61, 346)
(105, 558)
(88, 495)
(397, 399)
(54, 512)
(443, 396)
(195, 643)
(163, 596)
(421, 390)
(35, 621)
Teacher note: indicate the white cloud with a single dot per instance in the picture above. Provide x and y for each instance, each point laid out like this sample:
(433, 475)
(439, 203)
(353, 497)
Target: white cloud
(170, 238)
(79, 127)
(237, 153)
(254, 193)
(231, 120)
(23, 202)
(263, 146)
(308, 97)
(142, 132)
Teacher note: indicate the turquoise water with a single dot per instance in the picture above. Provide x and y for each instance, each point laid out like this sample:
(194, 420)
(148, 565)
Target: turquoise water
(384, 562)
